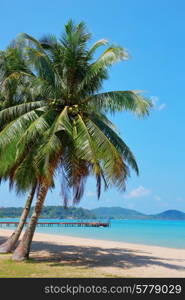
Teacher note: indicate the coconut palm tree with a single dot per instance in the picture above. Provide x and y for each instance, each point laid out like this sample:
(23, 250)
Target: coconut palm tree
(15, 76)
(14, 80)
(66, 129)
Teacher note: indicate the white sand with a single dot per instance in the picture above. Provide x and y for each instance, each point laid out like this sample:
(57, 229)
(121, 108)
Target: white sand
(115, 258)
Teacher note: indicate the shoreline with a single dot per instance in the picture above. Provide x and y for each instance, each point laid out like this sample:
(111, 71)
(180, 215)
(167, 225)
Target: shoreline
(99, 239)
(112, 241)
(115, 258)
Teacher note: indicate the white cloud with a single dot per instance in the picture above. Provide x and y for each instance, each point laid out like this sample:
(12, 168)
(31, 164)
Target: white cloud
(156, 105)
(157, 198)
(161, 107)
(90, 194)
(141, 191)
(154, 100)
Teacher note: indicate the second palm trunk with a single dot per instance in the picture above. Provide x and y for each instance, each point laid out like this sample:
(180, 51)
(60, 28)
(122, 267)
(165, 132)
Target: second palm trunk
(23, 249)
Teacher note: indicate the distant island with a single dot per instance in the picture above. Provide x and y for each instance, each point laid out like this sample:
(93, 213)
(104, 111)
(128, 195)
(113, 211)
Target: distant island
(59, 212)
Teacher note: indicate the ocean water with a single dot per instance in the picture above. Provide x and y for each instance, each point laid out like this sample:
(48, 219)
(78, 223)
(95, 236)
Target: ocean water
(149, 232)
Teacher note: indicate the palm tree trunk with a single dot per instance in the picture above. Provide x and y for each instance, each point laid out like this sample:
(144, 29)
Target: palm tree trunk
(10, 244)
(23, 249)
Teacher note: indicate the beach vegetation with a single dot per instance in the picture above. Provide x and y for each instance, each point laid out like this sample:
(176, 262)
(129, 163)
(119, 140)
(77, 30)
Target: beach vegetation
(60, 127)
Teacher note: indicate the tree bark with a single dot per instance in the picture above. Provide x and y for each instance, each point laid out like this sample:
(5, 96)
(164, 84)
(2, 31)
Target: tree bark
(23, 249)
(10, 244)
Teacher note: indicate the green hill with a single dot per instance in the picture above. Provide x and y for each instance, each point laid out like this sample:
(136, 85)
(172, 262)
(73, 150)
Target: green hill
(117, 213)
(50, 212)
(59, 212)
(170, 215)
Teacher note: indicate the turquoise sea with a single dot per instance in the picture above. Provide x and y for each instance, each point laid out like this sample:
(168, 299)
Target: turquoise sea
(149, 232)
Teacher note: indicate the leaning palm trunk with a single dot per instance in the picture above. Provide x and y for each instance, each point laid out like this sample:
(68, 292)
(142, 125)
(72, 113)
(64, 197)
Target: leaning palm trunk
(23, 249)
(10, 244)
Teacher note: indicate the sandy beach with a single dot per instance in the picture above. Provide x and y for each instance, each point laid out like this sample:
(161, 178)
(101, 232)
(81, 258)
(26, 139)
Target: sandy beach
(115, 259)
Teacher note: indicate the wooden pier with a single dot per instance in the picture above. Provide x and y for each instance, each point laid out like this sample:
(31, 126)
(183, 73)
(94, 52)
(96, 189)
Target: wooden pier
(61, 224)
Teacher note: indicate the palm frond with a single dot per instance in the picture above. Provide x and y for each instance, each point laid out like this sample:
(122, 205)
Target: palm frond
(37, 128)
(117, 101)
(13, 112)
(118, 143)
(96, 45)
(109, 57)
(16, 127)
(114, 167)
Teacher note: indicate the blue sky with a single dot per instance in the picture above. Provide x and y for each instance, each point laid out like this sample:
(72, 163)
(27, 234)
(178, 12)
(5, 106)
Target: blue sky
(153, 33)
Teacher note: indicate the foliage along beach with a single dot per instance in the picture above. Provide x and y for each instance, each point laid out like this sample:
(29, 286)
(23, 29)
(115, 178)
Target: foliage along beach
(54, 119)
